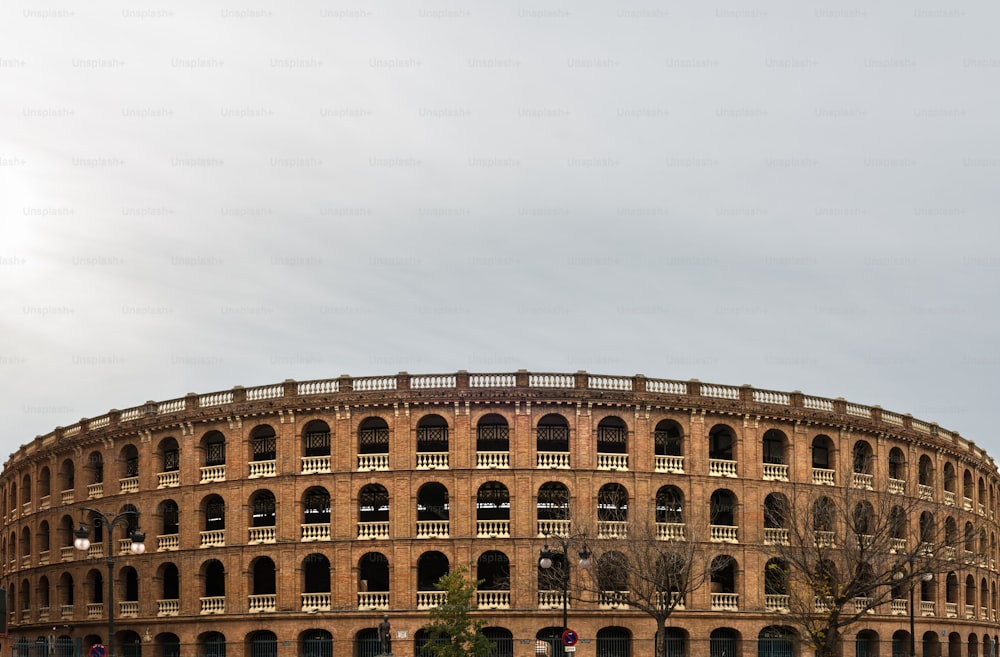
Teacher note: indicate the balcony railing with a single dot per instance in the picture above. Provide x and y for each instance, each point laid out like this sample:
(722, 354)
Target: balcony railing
(612, 461)
(721, 468)
(262, 535)
(775, 472)
(128, 484)
(898, 607)
(95, 551)
(553, 528)
(775, 536)
(863, 481)
(128, 608)
(897, 486)
(168, 607)
(493, 528)
(261, 603)
(432, 460)
(373, 599)
(430, 599)
(43, 502)
(612, 529)
(95, 610)
(212, 473)
(725, 601)
(66, 612)
(262, 469)
(213, 538)
(369, 462)
(950, 498)
(823, 539)
(612, 599)
(319, 531)
(558, 460)
(775, 602)
(927, 607)
(951, 609)
(492, 459)
(897, 545)
(167, 542)
(970, 611)
(863, 605)
(67, 552)
(316, 601)
(675, 598)
(723, 533)
(670, 531)
(493, 599)
(316, 464)
(43, 558)
(67, 496)
(926, 492)
(215, 604)
(170, 479)
(673, 464)
(823, 476)
(432, 528)
(967, 503)
(95, 491)
(551, 600)
(378, 529)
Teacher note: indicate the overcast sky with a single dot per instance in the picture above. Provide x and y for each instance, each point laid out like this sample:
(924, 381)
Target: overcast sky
(792, 195)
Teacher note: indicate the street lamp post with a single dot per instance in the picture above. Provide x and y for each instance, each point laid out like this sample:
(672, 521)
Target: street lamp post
(138, 546)
(546, 561)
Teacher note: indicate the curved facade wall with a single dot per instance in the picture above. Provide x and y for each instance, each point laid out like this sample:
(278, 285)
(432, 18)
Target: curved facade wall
(287, 519)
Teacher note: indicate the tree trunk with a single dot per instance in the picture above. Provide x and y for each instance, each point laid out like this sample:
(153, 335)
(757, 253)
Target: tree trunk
(659, 641)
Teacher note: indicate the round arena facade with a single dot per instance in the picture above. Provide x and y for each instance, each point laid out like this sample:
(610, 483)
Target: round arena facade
(290, 519)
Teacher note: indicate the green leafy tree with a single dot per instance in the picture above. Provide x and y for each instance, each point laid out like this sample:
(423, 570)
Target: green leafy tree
(452, 632)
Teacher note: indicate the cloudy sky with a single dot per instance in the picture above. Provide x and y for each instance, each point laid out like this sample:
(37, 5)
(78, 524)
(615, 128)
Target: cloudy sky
(792, 195)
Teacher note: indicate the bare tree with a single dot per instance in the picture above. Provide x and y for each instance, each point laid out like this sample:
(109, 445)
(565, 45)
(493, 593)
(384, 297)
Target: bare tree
(838, 553)
(650, 564)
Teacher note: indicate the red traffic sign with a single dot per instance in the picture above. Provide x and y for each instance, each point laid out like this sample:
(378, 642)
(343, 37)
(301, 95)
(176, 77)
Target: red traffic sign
(98, 650)
(569, 638)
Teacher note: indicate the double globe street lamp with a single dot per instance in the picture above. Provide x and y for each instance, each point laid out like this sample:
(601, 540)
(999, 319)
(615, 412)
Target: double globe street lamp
(548, 560)
(127, 518)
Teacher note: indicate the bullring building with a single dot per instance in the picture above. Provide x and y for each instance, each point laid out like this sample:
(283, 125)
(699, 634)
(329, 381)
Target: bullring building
(289, 519)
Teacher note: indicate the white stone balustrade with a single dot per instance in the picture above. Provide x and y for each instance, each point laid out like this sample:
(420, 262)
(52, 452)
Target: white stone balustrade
(493, 599)
(897, 545)
(723, 533)
(318, 531)
(926, 492)
(167, 542)
(261, 603)
(262, 535)
(558, 460)
(67, 552)
(863, 481)
(492, 460)
(66, 612)
(95, 491)
(725, 601)
(897, 486)
(168, 607)
(670, 464)
(170, 479)
(316, 464)
(432, 529)
(67, 496)
(612, 529)
(951, 609)
(553, 528)
(551, 600)
(95, 610)
(823, 539)
(721, 468)
(213, 538)
(927, 608)
(950, 498)
(215, 604)
(262, 469)
(612, 461)
(373, 529)
(213, 473)
(899, 607)
(432, 460)
(670, 531)
(373, 599)
(430, 599)
(775, 536)
(775, 472)
(128, 484)
(823, 477)
(370, 462)
(493, 528)
(128, 608)
(775, 602)
(312, 602)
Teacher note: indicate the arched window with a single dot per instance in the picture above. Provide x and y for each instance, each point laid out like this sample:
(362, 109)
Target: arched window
(723, 523)
(668, 447)
(612, 444)
(493, 567)
(863, 466)
(214, 511)
(612, 511)
(614, 642)
(170, 517)
(822, 460)
(212, 644)
(316, 579)
(778, 641)
(503, 641)
(169, 455)
(431, 566)
(263, 584)
(492, 442)
(552, 442)
(213, 574)
(432, 442)
(373, 572)
(432, 511)
(170, 587)
(721, 447)
(897, 465)
(373, 445)
(316, 447)
(213, 449)
(373, 512)
(552, 509)
(774, 443)
(493, 510)
(315, 514)
(263, 643)
(724, 642)
(669, 511)
(316, 643)
(263, 510)
(263, 450)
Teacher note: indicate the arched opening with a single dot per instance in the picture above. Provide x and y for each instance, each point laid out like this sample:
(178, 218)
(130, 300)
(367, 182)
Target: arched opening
(492, 442)
(493, 510)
